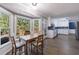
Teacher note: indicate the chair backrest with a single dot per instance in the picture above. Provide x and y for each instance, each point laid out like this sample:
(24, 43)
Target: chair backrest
(40, 38)
(13, 41)
(34, 39)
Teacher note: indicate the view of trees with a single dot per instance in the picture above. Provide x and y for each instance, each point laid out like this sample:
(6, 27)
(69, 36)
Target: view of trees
(36, 25)
(23, 26)
(4, 24)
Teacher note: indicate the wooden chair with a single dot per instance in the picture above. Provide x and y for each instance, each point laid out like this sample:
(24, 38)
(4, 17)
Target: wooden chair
(17, 46)
(38, 44)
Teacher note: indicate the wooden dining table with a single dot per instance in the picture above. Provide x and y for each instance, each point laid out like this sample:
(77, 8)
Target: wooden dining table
(28, 39)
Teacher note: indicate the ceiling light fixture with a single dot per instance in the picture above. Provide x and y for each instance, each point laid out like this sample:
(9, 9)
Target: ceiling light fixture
(34, 4)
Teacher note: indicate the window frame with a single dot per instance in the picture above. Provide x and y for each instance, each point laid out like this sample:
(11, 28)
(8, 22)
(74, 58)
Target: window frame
(7, 21)
(23, 17)
(40, 23)
(9, 14)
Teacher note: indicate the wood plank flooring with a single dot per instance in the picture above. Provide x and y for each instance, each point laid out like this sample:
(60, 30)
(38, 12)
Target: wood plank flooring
(62, 45)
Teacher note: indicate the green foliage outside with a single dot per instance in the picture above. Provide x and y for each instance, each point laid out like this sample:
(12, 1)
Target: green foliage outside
(23, 24)
(4, 23)
(36, 25)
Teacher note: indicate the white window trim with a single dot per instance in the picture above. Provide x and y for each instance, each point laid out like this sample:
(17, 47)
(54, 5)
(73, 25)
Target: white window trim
(2, 10)
(23, 17)
(40, 24)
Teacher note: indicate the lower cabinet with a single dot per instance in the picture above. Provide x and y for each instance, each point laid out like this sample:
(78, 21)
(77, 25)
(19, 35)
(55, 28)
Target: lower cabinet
(51, 33)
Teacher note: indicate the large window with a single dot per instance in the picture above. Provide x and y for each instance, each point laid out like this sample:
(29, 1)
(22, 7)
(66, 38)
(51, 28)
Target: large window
(23, 26)
(4, 24)
(36, 25)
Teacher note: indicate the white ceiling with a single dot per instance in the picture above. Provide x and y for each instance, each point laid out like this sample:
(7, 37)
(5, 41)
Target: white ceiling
(43, 9)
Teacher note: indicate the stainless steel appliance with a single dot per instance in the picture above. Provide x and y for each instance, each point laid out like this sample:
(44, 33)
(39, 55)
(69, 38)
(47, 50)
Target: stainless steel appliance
(77, 30)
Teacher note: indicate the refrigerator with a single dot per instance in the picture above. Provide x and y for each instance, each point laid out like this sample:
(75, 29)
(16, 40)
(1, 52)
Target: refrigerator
(77, 30)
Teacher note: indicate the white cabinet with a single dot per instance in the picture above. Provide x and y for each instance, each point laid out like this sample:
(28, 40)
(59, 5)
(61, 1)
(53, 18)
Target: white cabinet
(71, 31)
(51, 33)
(62, 31)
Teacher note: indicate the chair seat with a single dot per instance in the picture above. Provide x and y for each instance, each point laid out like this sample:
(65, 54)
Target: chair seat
(19, 44)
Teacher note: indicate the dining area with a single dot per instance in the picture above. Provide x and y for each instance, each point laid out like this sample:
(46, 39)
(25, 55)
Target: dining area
(19, 34)
(31, 44)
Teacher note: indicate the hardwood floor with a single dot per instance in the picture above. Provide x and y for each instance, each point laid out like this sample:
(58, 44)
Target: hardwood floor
(62, 45)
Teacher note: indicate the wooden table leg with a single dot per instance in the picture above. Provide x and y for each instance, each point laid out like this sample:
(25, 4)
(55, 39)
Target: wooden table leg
(26, 49)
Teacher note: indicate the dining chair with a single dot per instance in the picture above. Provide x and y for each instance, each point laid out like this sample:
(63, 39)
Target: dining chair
(38, 44)
(17, 46)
